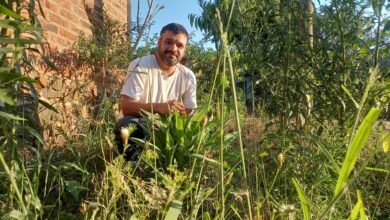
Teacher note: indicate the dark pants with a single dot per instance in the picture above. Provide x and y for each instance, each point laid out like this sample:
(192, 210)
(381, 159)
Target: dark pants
(134, 150)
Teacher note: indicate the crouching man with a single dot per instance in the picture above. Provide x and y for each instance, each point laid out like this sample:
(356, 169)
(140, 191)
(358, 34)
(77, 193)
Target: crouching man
(158, 83)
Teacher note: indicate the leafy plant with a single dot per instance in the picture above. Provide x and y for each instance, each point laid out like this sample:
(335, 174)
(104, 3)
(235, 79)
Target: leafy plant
(21, 38)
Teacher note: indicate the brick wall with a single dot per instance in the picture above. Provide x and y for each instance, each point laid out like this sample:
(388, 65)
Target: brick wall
(73, 90)
(66, 19)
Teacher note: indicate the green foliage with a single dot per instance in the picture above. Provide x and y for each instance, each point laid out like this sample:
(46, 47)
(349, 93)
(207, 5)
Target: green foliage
(312, 127)
(108, 47)
(20, 40)
(177, 138)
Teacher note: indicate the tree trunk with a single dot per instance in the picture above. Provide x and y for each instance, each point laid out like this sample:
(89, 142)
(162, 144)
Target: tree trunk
(129, 24)
(310, 25)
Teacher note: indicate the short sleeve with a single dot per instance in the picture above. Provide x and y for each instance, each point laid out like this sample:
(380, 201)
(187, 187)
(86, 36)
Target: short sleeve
(133, 85)
(190, 93)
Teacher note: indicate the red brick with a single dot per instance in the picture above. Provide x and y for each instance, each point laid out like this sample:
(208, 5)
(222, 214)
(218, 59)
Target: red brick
(50, 27)
(51, 6)
(68, 35)
(68, 16)
(54, 18)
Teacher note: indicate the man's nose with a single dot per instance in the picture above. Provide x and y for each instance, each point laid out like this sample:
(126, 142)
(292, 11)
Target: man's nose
(173, 47)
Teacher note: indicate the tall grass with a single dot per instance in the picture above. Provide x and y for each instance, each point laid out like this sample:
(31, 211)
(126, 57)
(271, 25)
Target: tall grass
(220, 168)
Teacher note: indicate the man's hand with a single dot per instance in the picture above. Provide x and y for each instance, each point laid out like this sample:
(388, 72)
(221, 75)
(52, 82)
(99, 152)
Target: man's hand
(175, 105)
(132, 107)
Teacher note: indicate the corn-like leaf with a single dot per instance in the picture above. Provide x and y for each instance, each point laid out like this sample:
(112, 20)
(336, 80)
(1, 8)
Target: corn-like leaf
(14, 214)
(10, 116)
(4, 10)
(386, 141)
(5, 50)
(16, 25)
(174, 210)
(302, 198)
(358, 209)
(355, 148)
(5, 98)
(35, 133)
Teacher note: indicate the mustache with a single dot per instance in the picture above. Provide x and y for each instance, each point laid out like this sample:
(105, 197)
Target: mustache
(171, 53)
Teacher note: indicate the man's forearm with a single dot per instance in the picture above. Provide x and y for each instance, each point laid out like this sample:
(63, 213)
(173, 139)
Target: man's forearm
(131, 107)
(134, 108)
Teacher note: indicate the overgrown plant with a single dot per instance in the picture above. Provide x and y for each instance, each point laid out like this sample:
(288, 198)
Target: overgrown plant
(21, 37)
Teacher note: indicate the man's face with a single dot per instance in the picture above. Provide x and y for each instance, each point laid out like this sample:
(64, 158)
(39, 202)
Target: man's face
(171, 47)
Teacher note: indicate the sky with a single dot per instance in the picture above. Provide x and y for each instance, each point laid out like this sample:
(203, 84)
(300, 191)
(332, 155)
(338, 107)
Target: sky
(174, 11)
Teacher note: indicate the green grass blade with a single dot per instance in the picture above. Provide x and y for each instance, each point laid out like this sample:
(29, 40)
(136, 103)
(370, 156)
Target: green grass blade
(4, 10)
(10, 116)
(355, 148)
(358, 209)
(362, 213)
(350, 96)
(302, 198)
(6, 40)
(386, 142)
(174, 210)
(5, 98)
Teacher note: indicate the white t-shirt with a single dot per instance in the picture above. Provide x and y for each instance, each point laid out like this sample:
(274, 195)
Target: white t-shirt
(147, 83)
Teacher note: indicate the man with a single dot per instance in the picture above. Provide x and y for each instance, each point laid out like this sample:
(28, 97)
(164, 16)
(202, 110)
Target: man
(158, 83)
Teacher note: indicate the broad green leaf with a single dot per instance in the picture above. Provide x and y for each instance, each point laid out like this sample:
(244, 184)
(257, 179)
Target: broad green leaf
(14, 77)
(5, 50)
(74, 188)
(206, 216)
(23, 27)
(10, 116)
(5, 98)
(377, 6)
(35, 133)
(179, 125)
(174, 210)
(355, 148)
(386, 142)
(4, 10)
(5, 70)
(14, 214)
(199, 115)
(302, 198)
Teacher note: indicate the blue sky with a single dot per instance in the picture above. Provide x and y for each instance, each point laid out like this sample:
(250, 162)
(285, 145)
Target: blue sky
(174, 11)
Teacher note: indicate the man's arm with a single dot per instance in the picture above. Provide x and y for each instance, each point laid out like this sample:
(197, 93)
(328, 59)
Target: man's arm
(132, 107)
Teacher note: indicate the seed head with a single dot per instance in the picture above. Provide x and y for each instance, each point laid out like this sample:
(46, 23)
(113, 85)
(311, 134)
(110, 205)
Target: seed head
(280, 159)
(125, 133)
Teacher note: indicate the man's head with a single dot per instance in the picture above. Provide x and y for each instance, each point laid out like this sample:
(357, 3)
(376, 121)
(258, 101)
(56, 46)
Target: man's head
(172, 43)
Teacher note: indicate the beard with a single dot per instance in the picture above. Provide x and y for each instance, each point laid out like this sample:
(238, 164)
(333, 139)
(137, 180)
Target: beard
(169, 58)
